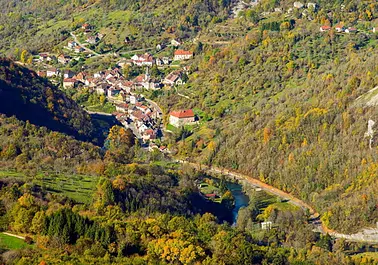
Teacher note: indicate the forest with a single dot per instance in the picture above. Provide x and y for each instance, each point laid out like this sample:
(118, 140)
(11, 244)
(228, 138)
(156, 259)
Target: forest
(139, 213)
(29, 97)
(277, 99)
(292, 95)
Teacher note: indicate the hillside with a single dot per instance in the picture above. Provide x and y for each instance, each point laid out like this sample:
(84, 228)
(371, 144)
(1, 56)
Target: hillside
(278, 103)
(29, 97)
(42, 25)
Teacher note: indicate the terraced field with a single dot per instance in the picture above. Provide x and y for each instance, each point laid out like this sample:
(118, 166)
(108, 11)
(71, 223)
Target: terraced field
(76, 187)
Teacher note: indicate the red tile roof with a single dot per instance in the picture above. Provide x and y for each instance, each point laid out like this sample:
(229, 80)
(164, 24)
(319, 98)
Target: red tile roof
(183, 52)
(183, 113)
(70, 80)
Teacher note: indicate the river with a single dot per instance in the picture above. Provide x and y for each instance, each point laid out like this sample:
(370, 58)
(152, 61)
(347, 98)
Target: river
(241, 199)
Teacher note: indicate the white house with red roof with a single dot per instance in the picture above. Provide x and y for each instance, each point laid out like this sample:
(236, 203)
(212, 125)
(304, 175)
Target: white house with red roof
(52, 72)
(181, 55)
(181, 117)
(69, 83)
(143, 60)
(325, 28)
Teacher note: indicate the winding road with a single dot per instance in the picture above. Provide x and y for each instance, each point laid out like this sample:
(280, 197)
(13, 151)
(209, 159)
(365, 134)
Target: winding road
(85, 48)
(367, 235)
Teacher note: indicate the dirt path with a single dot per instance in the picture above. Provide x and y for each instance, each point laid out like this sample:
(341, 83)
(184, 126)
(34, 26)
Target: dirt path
(13, 235)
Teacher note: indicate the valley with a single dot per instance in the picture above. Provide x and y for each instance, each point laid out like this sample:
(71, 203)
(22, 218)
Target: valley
(188, 132)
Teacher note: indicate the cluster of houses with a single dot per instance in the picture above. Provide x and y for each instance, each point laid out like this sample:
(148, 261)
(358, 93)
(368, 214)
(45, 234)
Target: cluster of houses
(339, 28)
(148, 60)
(74, 46)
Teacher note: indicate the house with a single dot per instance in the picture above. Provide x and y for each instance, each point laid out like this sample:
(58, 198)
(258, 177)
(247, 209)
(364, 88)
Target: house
(99, 75)
(64, 59)
(163, 61)
(159, 47)
(143, 60)
(148, 134)
(86, 26)
(166, 60)
(163, 149)
(68, 74)
(41, 73)
(182, 55)
(159, 62)
(136, 115)
(92, 39)
(44, 57)
(339, 28)
(82, 76)
(146, 82)
(78, 49)
(71, 44)
(69, 83)
(311, 5)
(172, 79)
(102, 89)
(113, 93)
(298, 5)
(126, 85)
(175, 43)
(133, 99)
(181, 117)
(325, 28)
(91, 82)
(52, 72)
(122, 107)
(351, 30)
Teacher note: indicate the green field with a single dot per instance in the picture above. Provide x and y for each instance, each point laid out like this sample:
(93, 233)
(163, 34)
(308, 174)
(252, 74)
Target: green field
(107, 108)
(76, 187)
(11, 243)
(171, 128)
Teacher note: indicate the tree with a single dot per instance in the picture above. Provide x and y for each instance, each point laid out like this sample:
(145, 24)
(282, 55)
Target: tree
(24, 56)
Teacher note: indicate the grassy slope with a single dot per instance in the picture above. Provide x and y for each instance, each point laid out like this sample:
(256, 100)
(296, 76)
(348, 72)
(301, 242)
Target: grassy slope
(11, 243)
(76, 187)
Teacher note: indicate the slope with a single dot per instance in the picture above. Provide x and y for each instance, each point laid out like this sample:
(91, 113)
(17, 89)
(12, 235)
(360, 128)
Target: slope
(29, 97)
(279, 104)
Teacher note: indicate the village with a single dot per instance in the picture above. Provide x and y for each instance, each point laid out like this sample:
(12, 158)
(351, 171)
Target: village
(132, 109)
(129, 95)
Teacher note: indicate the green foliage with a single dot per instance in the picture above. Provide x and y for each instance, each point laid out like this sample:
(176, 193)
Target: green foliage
(28, 97)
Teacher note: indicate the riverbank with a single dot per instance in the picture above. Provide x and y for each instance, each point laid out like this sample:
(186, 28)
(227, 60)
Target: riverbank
(367, 235)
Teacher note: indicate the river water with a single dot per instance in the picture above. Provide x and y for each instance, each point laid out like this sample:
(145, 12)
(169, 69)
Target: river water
(241, 199)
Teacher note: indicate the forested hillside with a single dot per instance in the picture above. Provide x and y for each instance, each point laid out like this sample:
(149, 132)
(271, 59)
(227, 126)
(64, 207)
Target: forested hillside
(135, 213)
(37, 26)
(280, 91)
(29, 97)
(280, 105)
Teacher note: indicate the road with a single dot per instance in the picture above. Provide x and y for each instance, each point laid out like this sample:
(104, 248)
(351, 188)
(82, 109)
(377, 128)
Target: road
(154, 104)
(367, 235)
(85, 48)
